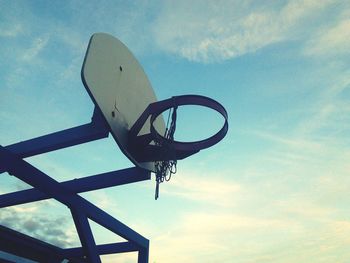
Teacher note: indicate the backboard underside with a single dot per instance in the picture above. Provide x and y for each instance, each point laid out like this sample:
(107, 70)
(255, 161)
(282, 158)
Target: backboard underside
(119, 87)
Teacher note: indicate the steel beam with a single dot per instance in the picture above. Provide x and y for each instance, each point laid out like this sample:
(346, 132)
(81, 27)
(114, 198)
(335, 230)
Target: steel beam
(143, 255)
(86, 237)
(58, 140)
(95, 130)
(90, 183)
(121, 247)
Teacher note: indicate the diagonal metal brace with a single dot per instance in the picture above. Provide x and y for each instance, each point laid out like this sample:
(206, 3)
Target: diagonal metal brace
(90, 183)
(86, 237)
(95, 130)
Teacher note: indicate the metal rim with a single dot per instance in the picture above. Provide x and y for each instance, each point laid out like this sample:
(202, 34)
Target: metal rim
(158, 108)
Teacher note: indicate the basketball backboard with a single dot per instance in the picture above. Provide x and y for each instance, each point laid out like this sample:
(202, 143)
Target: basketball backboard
(119, 87)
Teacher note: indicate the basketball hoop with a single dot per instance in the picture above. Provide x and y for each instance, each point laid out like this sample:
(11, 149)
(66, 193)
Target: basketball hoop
(163, 150)
(121, 91)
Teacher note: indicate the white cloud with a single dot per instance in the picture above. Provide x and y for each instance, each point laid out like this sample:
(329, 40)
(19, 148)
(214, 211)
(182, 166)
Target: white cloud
(36, 220)
(211, 190)
(216, 237)
(203, 31)
(102, 200)
(37, 45)
(331, 40)
(264, 234)
(296, 10)
(215, 31)
(209, 32)
(10, 30)
(293, 142)
(304, 208)
(329, 111)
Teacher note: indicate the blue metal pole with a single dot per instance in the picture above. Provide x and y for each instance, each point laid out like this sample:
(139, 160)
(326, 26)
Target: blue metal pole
(143, 255)
(97, 129)
(86, 237)
(58, 140)
(90, 183)
(121, 247)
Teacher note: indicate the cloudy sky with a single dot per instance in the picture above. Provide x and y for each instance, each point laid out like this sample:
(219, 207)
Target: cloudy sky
(274, 190)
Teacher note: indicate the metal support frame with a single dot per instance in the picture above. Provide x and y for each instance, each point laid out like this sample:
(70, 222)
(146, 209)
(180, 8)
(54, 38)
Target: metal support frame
(86, 184)
(44, 187)
(40, 251)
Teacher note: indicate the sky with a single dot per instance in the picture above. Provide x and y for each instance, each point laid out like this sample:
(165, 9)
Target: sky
(275, 189)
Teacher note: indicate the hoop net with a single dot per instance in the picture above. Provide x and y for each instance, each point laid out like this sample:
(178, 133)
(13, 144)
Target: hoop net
(165, 169)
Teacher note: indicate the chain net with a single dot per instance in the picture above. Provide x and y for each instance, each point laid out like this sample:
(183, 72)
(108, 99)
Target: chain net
(165, 169)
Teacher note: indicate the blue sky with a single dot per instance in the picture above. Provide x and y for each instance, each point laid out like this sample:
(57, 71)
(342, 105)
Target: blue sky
(274, 190)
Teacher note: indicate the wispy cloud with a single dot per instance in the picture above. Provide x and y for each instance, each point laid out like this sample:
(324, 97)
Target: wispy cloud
(37, 45)
(222, 30)
(212, 190)
(10, 30)
(265, 235)
(11, 24)
(104, 201)
(32, 220)
(215, 237)
(331, 39)
(290, 141)
(201, 31)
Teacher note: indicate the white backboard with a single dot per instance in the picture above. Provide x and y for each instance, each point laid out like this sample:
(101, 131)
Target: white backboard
(119, 87)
